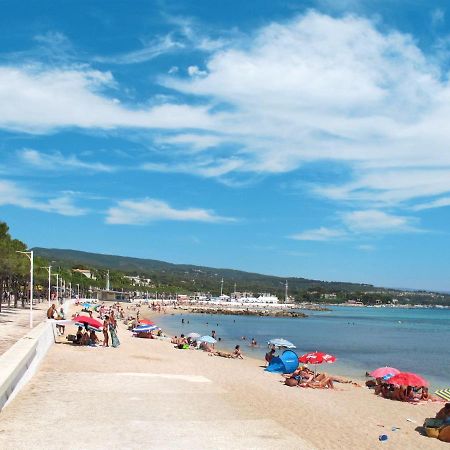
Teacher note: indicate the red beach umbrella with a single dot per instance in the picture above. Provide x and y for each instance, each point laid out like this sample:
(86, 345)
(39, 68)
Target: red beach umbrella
(316, 358)
(383, 371)
(88, 320)
(408, 379)
(146, 322)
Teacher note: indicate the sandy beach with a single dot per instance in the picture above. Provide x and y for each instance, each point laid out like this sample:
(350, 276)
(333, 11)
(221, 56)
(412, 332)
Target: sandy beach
(148, 393)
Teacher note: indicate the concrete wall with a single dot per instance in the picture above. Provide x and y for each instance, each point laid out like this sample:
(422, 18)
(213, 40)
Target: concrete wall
(20, 362)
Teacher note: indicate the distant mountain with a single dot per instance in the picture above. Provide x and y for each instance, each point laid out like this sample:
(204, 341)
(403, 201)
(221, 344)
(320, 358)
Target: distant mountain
(193, 278)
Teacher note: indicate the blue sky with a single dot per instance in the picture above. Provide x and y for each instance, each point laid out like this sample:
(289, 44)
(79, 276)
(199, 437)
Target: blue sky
(282, 137)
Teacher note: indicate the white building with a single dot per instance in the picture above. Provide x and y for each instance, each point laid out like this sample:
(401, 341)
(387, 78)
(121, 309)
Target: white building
(86, 272)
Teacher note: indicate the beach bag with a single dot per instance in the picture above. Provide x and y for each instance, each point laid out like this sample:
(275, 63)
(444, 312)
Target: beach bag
(444, 434)
(71, 338)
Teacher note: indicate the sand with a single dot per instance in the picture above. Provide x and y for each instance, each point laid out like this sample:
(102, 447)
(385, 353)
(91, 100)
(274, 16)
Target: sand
(148, 394)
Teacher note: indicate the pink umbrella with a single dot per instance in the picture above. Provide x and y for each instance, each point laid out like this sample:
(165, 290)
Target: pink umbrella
(408, 379)
(383, 371)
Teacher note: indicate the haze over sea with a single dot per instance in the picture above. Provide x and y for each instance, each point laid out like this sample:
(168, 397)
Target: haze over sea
(412, 340)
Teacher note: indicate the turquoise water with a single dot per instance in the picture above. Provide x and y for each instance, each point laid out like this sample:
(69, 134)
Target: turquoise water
(413, 340)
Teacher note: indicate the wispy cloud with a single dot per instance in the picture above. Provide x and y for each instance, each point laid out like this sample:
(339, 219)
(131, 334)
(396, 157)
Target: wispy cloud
(375, 221)
(437, 16)
(319, 234)
(59, 162)
(363, 222)
(439, 203)
(205, 167)
(13, 194)
(140, 212)
(366, 247)
(150, 50)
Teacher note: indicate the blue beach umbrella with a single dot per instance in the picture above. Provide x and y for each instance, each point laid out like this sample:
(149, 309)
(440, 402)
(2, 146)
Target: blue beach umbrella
(280, 342)
(144, 329)
(208, 339)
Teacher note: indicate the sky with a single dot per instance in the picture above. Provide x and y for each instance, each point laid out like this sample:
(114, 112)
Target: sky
(293, 138)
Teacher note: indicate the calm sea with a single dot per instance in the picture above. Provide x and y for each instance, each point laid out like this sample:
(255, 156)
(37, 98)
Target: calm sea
(413, 340)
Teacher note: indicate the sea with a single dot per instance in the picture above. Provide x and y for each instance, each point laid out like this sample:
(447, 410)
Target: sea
(362, 339)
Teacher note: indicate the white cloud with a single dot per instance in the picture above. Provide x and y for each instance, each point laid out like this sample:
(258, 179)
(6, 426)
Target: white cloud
(57, 161)
(391, 186)
(139, 212)
(14, 195)
(373, 221)
(194, 71)
(363, 222)
(312, 89)
(319, 234)
(73, 98)
(319, 88)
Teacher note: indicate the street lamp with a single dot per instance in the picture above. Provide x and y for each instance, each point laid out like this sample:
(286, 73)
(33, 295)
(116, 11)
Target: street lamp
(49, 270)
(30, 256)
(57, 286)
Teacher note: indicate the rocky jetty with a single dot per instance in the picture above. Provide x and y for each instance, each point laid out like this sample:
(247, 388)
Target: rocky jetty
(249, 312)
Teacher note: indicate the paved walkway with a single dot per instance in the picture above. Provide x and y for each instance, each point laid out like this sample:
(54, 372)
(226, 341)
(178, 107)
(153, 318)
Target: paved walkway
(15, 323)
(144, 394)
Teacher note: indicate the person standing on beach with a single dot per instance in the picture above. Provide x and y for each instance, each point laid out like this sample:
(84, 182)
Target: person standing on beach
(105, 332)
(112, 329)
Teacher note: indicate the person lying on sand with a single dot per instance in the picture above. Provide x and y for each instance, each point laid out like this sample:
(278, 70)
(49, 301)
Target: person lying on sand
(206, 347)
(301, 375)
(222, 354)
(236, 353)
(321, 381)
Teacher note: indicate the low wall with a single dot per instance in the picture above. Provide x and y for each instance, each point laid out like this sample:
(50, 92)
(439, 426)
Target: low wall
(20, 362)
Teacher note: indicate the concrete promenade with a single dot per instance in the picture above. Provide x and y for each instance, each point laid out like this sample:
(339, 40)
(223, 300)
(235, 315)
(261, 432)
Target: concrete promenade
(144, 394)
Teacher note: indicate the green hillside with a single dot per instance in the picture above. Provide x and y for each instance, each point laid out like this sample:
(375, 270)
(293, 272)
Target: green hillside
(193, 278)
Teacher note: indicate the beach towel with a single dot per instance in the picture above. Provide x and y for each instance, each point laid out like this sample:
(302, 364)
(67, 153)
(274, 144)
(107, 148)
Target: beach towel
(443, 393)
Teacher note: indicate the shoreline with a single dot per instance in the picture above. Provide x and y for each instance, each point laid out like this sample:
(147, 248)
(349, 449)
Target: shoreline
(255, 354)
(344, 367)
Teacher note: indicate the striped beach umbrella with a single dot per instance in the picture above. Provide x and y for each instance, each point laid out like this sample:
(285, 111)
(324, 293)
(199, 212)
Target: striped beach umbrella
(444, 393)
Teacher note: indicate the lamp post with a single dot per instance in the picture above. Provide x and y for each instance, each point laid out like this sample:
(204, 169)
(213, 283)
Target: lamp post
(49, 270)
(30, 256)
(57, 286)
